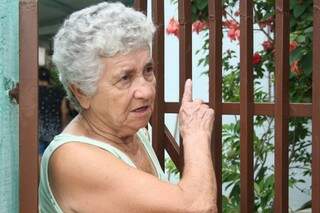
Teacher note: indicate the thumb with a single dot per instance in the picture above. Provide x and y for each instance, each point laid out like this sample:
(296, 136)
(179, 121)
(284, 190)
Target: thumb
(187, 94)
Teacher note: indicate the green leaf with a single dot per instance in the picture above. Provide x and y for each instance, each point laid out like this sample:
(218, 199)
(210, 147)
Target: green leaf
(293, 4)
(293, 36)
(257, 189)
(306, 63)
(299, 9)
(296, 54)
(293, 22)
(301, 39)
(194, 10)
(308, 30)
(201, 4)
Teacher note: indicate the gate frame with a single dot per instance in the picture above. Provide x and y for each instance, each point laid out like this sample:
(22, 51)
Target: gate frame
(161, 137)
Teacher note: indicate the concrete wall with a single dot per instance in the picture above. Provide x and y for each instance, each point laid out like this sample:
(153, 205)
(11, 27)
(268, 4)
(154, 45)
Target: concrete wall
(9, 74)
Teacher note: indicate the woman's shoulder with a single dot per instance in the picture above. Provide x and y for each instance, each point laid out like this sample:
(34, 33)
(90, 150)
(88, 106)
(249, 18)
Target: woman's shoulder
(76, 167)
(64, 140)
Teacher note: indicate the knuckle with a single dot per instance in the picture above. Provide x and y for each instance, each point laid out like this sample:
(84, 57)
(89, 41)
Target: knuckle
(206, 106)
(198, 101)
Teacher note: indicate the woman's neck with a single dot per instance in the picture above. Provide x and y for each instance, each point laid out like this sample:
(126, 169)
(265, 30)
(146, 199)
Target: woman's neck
(101, 130)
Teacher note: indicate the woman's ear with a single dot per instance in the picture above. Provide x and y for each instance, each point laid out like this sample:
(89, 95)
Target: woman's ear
(82, 98)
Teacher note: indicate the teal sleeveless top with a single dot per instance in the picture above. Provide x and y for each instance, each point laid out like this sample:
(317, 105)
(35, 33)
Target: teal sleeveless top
(47, 202)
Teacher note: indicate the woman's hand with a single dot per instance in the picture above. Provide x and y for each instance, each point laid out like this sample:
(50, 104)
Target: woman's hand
(195, 118)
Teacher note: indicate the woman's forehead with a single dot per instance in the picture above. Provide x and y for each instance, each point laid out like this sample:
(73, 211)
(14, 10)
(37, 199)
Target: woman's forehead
(134, 58)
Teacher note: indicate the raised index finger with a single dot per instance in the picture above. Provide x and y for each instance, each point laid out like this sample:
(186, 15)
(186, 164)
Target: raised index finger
(187, 94)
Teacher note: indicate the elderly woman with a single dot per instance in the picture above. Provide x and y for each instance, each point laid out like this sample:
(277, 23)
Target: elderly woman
(103, 160)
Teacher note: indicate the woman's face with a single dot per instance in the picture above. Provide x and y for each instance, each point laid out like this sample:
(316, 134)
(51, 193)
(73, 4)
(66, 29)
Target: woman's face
(126, 92)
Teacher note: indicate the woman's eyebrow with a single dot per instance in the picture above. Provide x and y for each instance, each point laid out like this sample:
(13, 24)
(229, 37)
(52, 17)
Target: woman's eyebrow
(126, 71)
(149, 63)
(120, 72)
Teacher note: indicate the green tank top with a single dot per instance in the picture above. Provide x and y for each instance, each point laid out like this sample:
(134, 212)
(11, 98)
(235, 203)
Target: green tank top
(47, 202)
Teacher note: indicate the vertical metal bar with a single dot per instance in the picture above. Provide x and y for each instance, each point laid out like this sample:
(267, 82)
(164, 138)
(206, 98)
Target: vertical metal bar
(185, 43)
(246, 106)
(28, 106)
(158, 57)
(316, 109)
(215, 89)
(185, 53)
(281, 105)
(141, 5)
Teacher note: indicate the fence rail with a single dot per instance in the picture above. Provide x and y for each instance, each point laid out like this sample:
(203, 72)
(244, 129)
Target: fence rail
(215, 87)
(316, 109)
(281, 105)
(162, 139)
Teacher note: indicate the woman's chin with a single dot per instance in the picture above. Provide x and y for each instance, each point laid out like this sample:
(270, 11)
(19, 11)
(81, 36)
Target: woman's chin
(138, 122)
(141, 124)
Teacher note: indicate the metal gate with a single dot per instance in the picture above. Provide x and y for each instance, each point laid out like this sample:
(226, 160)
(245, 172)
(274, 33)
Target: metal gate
(162, 139)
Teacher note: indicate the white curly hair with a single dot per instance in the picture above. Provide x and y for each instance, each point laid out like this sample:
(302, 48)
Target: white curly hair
(102, 30)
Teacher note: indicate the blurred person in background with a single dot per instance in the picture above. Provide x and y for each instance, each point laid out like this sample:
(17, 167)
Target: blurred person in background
(50, 109)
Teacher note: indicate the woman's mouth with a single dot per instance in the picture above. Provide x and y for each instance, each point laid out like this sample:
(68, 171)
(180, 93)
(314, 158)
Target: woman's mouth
(141, 109)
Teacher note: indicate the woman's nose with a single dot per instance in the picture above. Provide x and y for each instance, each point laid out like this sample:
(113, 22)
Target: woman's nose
(144, 89)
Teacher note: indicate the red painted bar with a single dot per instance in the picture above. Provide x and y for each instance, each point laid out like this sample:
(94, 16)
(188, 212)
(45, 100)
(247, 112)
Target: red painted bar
(316, 109)
(281, 105)
(157, 120)
(185, 43)
(185, 52)
(246, 107)
(215, 89)
(28, 106)
(172, 147)
(295, 110)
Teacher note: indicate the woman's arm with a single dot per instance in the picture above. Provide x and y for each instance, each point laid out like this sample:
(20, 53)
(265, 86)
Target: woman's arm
(196, 123)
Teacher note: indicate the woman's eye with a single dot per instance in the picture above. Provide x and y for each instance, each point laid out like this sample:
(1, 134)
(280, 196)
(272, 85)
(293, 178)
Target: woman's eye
(124, 81)
(125, 77)
(149, 70)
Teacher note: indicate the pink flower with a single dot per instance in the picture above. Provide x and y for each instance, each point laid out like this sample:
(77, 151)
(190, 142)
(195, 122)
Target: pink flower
(293, 45)
(256, 59)
(262, 24)
(234, 30)
(231, 24)
(294, 67)
(198, 26)
(234, 34)
(237, 34)
(267, 45)
(173, 27)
